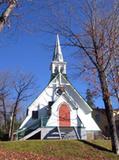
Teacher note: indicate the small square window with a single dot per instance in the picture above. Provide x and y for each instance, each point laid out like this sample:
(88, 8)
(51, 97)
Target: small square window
(34, 114)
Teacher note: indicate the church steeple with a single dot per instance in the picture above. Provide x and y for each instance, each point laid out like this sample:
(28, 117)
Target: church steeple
(58, 65)
(58, 52)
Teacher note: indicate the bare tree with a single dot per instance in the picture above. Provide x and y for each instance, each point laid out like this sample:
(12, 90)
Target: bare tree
(22, 87)
(10, 5)
(95, 34)
(113, 77)
(4, 93)
(15, 89)
(17, 13)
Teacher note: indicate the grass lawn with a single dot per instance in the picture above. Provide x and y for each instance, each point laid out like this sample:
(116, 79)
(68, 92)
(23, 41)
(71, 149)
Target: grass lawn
(69, 150)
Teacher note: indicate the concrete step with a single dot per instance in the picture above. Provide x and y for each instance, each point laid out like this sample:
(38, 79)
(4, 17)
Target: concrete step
(69, 133)
(64, 133)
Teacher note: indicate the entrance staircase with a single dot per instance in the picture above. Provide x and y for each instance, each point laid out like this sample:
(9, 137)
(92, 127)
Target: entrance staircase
(34, 128)
(38, 130)
(53, 133)
(62, 133)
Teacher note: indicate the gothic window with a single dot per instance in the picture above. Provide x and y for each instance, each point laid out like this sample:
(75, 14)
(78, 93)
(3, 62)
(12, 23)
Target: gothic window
(34, 114)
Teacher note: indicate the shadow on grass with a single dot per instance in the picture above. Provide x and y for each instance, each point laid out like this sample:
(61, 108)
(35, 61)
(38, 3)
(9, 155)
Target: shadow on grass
(96, 146)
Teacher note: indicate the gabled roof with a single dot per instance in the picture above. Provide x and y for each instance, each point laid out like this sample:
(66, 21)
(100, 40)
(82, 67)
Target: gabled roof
(70, 93)
(74, 94)
(63, 98)
(86, 121)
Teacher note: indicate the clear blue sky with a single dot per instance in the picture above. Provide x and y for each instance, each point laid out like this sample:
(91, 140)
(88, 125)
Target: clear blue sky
(33, 53)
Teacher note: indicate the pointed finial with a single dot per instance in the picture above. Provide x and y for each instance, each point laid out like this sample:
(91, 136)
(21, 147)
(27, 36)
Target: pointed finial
(58, 53)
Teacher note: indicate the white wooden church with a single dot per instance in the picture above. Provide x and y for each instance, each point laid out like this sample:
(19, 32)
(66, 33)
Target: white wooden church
(59, 112)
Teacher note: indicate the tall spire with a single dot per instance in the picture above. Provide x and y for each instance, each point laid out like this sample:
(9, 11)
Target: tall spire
(58, 65)
(58, 52)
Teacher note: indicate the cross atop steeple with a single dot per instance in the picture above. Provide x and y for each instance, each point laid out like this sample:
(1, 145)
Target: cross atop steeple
(58, 65)
(58, 52)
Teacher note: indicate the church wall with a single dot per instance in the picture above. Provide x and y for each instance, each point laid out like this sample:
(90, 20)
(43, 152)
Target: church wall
(88, 121)
(54, 119)
(39, 104)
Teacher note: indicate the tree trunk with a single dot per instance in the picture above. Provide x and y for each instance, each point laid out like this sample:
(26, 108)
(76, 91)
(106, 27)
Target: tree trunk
(6, 13)
(11, 130)
(109, 112)
(4, 115)
(11, 126)
(13, 119)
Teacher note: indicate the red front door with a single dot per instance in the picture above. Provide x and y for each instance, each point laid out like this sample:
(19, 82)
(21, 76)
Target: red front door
(64, 115)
